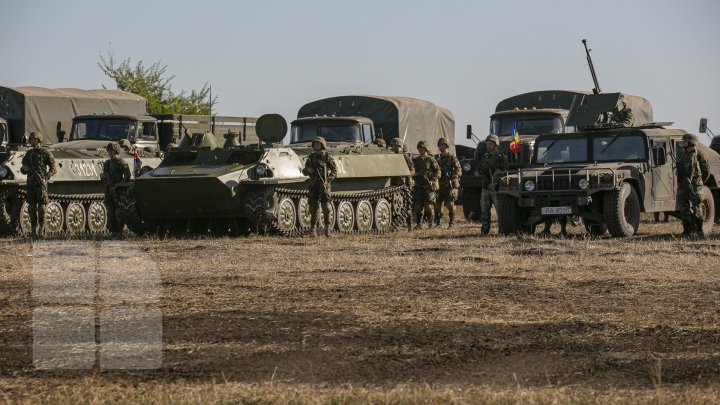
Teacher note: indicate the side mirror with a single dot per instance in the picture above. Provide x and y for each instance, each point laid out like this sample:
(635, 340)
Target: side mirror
(61, 136)
(469, 132)
(703, 125)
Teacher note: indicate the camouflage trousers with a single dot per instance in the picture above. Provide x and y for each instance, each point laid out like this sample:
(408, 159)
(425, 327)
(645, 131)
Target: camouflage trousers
(691, 214)
(445, 196)
(423, 202)
(114, 225)
(487, 200)
(37, 199)
(319, 197)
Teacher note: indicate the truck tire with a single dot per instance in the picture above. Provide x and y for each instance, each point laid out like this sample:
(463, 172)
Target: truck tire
(622, 211)
(509, 215)
(471, 203)
(707, 203)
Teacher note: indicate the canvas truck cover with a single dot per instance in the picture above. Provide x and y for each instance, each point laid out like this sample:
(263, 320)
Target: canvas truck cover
(410, 119)
(544, 99)
(586, 109)
(29, 109)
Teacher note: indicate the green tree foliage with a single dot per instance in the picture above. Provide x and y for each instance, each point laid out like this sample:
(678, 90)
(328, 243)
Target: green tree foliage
(151, 82)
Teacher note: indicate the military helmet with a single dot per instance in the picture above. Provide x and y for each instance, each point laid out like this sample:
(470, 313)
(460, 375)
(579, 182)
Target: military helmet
(691, 139)
(396, 142)
(443, 141)
(493, 138)
(112, 146)
(125, 144)
(423, 144)
(320, 140)
(380, 142)
(36, 135)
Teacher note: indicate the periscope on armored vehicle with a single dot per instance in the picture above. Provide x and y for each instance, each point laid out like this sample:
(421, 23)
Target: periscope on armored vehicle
(202, 187)
(605, 173)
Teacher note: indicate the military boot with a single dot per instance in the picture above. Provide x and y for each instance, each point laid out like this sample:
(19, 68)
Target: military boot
(437, 221)
(418, 221)
(313, 232)
(327, 230)
(451, 220)
(700, 231)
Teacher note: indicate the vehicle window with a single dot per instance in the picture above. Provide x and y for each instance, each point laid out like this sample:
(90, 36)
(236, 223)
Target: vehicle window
(614, 147)
(303, 133)
(113, 130)
(503, 126)
(367, 133)
(331, 133)
(148, 132)
(562, 150)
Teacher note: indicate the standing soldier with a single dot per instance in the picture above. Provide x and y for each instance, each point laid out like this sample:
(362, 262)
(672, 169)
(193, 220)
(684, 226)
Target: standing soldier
(39, 166)
(490, 165)
(115, 171)
(621, 115)
(449, 183)
(427, 173)
(692, 169)
(396, 146)
(322, 170)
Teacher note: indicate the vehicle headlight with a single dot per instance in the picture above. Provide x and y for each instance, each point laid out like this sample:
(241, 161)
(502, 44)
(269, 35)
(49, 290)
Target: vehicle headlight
(583, 184)
(529, 185)
(3, 172)
(466, 166)
(261, 170)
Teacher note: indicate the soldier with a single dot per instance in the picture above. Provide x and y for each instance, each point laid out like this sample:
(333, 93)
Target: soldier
(691, 173)
(490, 165)
(450, 172)
(396, 146)
(621, 115)
(381, 143)
(322, 170)
(115, 171)
(39, 166)
(426, 175)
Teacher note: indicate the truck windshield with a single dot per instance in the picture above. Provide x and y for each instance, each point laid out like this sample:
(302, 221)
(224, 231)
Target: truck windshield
(503, 126)
(113, 130)
(561, 150)
(619, 147)
(332, 133)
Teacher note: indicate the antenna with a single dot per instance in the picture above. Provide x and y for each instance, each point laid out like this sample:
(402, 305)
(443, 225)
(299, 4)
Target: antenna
(596, 90)
(211, 120)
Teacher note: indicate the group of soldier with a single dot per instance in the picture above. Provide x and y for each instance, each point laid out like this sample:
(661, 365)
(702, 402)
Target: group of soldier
(39, 166)
(434, 182)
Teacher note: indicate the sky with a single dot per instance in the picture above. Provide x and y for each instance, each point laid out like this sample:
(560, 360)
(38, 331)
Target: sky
(273, 56)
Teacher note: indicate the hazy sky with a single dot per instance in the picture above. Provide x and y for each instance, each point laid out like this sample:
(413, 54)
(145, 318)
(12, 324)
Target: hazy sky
(274, 56)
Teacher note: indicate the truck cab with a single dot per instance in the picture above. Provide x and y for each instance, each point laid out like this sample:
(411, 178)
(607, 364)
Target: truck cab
(95, 131)
(354, 130)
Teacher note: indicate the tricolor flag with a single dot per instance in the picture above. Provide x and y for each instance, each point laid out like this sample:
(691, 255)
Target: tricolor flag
(515, 145)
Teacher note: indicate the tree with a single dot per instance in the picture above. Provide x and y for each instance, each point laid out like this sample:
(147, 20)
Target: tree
(151, 82)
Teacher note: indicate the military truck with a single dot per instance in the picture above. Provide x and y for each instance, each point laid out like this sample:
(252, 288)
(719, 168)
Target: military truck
(605, 174)
(201, 187)
(530, 114)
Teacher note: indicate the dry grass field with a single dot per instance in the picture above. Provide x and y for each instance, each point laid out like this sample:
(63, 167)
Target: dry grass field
(430, 316)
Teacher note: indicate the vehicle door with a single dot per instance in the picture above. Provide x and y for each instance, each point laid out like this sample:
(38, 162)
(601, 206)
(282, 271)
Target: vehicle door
(663, 174)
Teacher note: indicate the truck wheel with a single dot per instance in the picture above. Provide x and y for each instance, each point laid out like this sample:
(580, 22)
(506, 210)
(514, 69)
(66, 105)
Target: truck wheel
(509, 215)
(707, 206)
(622, 211)
(471, 203)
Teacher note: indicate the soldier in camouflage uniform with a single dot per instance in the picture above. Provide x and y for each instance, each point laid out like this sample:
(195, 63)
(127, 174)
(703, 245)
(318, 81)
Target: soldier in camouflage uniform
(426, 175)
(322, 170)
(381, 143)
(490, 166)
(396, 146)
(621, 115)
(115, 171)
(450, 172)
(39, 166)
(692, 171)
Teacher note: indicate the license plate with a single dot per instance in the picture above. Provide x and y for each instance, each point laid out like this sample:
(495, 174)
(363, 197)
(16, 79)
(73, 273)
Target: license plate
(556, 210)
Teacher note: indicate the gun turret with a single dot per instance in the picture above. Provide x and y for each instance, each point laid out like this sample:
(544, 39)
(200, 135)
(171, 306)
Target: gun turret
(597, 89)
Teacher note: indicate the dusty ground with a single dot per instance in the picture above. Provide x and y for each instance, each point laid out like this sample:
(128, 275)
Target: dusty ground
(437, 315)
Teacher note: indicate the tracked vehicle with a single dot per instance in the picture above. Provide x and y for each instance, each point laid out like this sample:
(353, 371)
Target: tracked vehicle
(200, 187)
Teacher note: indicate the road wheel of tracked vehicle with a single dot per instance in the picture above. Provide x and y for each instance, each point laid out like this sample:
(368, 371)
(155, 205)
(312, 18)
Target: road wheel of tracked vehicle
(345, 217)
(383, 215)
(54, 218)
(622, 211)
(97, 217)
(75, 218)
(399, 204)
(24, 220)
(286, 215)
(471, 203)
(303, 213)
(509, 215)
(364, 216)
